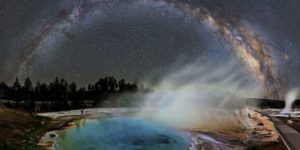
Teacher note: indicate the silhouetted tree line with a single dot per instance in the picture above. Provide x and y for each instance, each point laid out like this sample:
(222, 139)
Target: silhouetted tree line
(61, 95)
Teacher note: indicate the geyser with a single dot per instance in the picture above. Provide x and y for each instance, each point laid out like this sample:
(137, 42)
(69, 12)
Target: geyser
(290, 97)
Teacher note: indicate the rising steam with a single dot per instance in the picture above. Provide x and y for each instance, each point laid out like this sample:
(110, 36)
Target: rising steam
(201, 96)
(290, 97)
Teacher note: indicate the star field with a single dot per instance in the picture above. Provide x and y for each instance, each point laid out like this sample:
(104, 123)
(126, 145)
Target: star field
(136, 39)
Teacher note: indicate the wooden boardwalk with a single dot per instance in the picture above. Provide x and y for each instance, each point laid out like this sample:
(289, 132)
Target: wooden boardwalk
(290, 136)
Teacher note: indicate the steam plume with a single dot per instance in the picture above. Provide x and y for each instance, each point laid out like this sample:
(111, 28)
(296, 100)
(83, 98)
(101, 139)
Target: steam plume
(290, 97)
(200, 96)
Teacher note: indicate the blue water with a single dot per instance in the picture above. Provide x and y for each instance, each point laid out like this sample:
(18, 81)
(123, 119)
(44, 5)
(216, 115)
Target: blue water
(122, 134)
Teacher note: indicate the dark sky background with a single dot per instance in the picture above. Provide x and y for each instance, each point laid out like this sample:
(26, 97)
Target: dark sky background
(135, 39)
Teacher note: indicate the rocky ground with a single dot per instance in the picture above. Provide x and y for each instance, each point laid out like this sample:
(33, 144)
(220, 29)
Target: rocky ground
(260, 134)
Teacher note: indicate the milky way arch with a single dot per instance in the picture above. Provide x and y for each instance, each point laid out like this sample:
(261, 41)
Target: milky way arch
(245, 42)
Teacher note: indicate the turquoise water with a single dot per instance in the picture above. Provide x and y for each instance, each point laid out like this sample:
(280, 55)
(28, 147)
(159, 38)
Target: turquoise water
(122, 134)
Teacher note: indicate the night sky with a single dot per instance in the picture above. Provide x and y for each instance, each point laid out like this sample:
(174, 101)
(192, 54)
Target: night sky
(138, 39)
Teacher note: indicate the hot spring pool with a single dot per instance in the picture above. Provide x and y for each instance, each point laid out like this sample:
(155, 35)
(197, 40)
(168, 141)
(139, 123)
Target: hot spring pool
(121, 134)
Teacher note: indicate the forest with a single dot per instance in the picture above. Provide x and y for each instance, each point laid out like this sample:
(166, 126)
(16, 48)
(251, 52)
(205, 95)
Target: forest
(61, 95)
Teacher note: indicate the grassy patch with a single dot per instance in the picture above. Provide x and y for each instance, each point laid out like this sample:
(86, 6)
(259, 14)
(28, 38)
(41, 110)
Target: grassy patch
(20, 130)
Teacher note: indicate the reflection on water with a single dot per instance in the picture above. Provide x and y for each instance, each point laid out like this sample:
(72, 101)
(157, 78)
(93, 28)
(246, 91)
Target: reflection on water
(121, 134)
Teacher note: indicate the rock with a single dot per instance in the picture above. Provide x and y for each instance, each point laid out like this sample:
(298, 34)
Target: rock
(253, 132)
(249, 142)
(17, 132)
(27, 130)
(268, 135)
(260, 124)
(52, 135)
